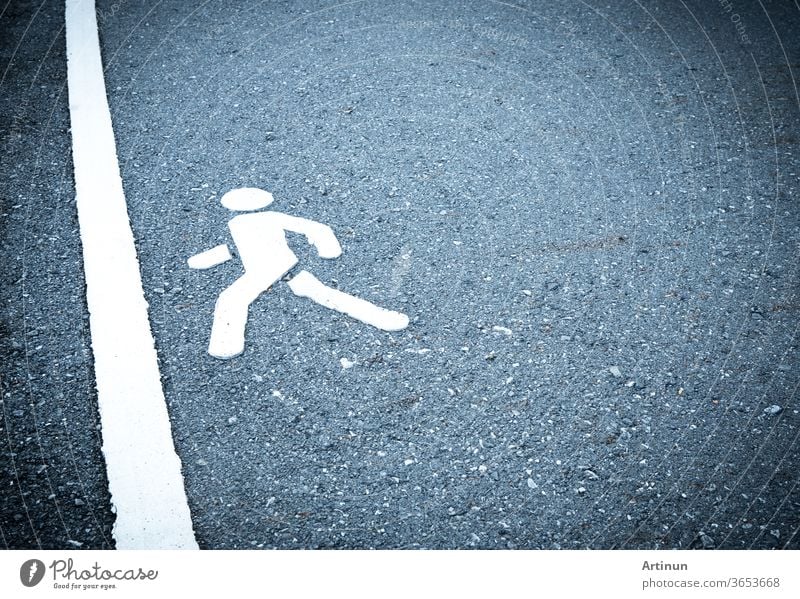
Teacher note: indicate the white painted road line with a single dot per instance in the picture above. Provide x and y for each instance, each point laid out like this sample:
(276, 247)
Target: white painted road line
(144, 472)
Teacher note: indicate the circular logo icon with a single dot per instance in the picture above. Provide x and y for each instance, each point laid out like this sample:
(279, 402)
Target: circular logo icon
(31, 572)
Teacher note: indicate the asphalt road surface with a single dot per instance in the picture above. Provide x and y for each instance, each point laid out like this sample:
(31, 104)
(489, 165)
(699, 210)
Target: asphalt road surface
(589, 212)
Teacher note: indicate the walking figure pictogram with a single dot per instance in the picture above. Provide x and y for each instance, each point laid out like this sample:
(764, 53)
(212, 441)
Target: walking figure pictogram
(260, 239)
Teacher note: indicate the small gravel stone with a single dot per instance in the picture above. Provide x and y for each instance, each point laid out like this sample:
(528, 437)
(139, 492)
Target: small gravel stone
(708, 542)
(615, 371)
(773, 410)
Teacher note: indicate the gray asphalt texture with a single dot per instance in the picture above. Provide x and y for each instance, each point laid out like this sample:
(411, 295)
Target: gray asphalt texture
(54, 489)
(589, 212)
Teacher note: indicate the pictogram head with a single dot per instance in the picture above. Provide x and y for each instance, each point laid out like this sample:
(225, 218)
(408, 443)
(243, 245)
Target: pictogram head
(245, 199)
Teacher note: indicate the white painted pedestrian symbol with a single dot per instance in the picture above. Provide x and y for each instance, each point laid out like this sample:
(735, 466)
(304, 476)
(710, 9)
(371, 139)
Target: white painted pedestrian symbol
(260, 239)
